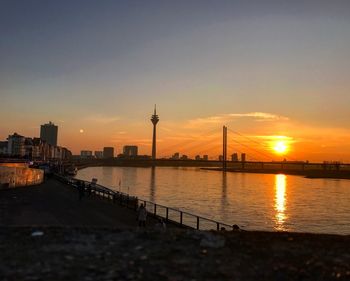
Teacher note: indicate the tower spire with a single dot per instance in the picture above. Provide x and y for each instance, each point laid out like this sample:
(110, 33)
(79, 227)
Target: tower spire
(154, 120)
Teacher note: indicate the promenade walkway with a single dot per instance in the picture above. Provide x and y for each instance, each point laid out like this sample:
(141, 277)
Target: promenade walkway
(55, 204)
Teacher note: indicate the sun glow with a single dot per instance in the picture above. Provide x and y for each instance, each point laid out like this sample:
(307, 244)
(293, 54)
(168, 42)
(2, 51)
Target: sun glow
(280, 147)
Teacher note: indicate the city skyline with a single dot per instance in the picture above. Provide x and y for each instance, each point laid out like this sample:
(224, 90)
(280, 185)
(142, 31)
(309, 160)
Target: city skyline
(273, 72)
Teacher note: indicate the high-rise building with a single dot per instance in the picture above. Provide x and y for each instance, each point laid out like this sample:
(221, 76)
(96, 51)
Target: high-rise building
(198, 157)
(243, 157)
(130, 150)
(205, 157)
(155, 120)
(48, 133)
(176, 156)
(108, 152)
(98, 154)
(234, 157)
(86, 154)
(15, 146)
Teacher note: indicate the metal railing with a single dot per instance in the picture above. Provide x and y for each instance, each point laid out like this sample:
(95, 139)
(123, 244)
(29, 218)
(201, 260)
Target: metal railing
(170, 215)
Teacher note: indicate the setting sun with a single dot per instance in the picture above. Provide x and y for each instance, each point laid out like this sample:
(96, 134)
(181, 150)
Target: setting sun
(280, 147)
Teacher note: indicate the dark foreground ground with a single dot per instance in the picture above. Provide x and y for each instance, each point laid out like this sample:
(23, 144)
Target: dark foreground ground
(114, 254)
(47, 234)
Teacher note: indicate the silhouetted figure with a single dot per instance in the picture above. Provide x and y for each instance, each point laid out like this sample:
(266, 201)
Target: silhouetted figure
(160, 225)
(235, 227)
(81, 187)
(142, 215)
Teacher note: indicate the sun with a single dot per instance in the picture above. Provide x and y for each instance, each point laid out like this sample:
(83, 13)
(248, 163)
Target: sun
(280, 147)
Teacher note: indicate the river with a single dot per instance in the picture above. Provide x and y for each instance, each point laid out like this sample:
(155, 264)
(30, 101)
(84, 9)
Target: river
(252, 201)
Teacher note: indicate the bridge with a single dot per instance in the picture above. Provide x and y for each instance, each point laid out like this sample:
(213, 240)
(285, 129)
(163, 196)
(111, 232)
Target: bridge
(258, 157)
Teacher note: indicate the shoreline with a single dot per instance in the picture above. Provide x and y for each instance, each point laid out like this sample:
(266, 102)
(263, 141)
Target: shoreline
(307, 174)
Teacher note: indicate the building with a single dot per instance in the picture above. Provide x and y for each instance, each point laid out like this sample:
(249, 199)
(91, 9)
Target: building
(184, 157)
(198, 157)
(176, 156)
(28, 148)
(221, 158)
(130, 151)
(86, 154)
(48, 133)
(205, 157)
(108, 152)
(3, 147)
(16, 146)
(243, 157)
(98, 154)
(234, 157)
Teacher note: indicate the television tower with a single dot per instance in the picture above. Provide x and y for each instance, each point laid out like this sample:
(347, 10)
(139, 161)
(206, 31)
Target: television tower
(154, 120)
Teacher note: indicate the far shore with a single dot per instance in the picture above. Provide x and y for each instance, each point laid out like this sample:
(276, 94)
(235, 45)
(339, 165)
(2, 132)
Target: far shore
(312, 174)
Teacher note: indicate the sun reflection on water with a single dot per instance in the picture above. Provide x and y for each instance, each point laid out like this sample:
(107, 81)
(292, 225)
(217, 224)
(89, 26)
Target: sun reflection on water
(280, 201)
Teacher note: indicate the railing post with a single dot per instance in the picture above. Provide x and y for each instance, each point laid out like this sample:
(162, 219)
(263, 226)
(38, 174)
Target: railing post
(180, 218)
(167, 214)
(197, 223)
(217, 226)
(155, 209)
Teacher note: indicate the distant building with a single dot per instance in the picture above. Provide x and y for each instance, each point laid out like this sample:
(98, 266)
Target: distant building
(221, 158)
(205, 157)
(15, 145)
(108, 152)
(176, 156)
(48, 133)
(3, 147)
(86, 154)
(98, 154)
(198, 157)
(130, 151)
(234, 157)
(184, 157)
(243, 157)
(28, 148)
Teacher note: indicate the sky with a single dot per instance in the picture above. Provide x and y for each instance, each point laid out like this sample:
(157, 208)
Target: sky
(269, 70)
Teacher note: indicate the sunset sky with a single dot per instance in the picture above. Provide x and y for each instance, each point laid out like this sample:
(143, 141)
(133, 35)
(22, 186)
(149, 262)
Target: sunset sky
(269, 70)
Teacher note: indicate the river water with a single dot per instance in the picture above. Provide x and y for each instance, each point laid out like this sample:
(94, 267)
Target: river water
(252, 201)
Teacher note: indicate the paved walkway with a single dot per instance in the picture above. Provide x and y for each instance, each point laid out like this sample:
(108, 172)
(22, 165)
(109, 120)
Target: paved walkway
(55, 204)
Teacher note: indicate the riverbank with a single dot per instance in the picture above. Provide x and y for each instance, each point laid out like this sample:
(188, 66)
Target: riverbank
(66, 253)
(311, 174)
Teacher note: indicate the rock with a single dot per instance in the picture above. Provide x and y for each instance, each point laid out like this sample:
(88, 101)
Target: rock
(37, 233)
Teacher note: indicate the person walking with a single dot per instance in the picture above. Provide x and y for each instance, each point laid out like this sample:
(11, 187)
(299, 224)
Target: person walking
(142, 215)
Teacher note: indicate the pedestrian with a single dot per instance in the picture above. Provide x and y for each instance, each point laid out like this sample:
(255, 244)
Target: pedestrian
(81, 187)
(160, 225)
(142, 215)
